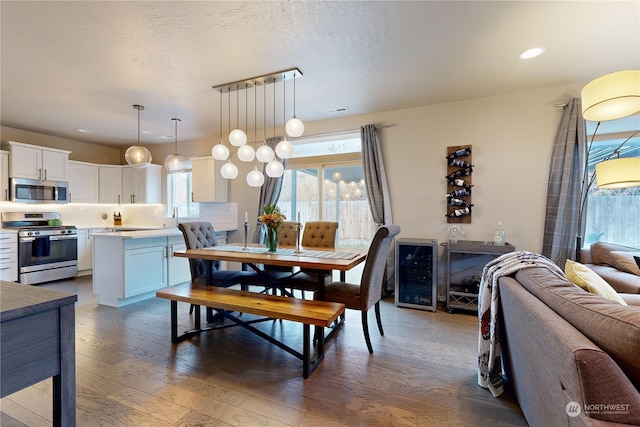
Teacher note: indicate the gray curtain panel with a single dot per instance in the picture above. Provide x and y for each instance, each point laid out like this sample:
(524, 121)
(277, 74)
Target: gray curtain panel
(375, 180)
(566, 188)
(269, 192)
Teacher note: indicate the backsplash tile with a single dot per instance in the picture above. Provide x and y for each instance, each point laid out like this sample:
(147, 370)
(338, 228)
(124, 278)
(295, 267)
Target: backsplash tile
(223, 216)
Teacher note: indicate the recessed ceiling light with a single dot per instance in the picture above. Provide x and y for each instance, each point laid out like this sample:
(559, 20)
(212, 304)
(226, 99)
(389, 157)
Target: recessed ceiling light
(84, 131)
(531, 53)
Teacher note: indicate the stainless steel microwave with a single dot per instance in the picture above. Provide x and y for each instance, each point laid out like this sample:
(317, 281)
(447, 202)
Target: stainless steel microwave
(25, 190)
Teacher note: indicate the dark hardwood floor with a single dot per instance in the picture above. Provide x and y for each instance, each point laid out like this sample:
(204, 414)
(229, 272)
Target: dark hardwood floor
(422, 373)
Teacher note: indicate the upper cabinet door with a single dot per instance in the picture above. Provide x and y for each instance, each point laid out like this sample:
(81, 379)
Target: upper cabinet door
(83, 182)
(30, 161)
(26, 162)
(54, 164)
(208, 184)
(110, 184)
(141, 185)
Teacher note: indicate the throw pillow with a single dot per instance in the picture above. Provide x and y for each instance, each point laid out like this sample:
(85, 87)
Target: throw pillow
(637, 258)
(625, 261)
(588, 280)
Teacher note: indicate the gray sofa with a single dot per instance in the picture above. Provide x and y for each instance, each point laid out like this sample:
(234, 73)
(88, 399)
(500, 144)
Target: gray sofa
(571, 357)
(600, 259)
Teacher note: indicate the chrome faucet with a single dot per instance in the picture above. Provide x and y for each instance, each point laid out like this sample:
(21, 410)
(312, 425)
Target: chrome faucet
(175, 215)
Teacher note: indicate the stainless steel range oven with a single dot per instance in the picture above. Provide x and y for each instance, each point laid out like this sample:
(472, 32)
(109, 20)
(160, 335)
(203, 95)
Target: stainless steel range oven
(47, 250)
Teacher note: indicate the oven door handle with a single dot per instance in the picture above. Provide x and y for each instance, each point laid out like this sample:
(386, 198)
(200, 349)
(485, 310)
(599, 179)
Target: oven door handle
(31, 239)
(63, 237)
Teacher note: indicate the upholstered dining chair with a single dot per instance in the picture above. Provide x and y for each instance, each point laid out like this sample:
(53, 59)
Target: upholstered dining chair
(286, 237)
(316, 234)
(368, 292)
(202, 235)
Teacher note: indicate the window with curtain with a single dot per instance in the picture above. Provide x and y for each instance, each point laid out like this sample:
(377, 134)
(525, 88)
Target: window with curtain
(613, 215)
(179, 195)
(324, 181)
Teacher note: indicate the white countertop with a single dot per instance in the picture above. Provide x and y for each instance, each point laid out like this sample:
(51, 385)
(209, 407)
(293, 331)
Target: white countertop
(140, 234)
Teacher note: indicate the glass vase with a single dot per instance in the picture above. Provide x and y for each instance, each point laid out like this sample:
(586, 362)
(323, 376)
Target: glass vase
(271, 238)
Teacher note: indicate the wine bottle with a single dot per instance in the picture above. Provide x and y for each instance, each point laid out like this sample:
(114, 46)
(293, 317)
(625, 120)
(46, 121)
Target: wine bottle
(459, 212)
(460, 183)
(461, 192)
(460, 163)
(459, 153)
(459, 202)
(460, 172)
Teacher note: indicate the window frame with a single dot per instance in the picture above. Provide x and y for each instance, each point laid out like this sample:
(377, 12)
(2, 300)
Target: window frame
(192, 208)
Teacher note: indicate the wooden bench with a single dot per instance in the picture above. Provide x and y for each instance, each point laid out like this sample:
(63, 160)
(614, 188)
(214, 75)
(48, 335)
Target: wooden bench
(320, 314)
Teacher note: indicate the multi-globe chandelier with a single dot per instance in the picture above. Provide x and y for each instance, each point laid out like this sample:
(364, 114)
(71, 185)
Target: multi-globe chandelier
(262, 153)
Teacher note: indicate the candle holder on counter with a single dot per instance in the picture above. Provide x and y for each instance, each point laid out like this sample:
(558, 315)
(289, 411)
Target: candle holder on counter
(298, 227)
(246, 235)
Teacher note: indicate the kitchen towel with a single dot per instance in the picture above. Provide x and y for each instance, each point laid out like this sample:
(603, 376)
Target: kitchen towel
(41, 247)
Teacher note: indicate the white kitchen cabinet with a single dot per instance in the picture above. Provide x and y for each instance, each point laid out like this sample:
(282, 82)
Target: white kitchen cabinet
(31, 161)
(179, 270)
(129, 266)
(4, 175)
(110, 183)
(145, 266)
(9, 256)
(84, 182)
(85, 249)
(141, 185)
(207, 183)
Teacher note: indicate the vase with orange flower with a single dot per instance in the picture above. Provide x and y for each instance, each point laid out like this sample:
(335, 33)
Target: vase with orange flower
(271, 219)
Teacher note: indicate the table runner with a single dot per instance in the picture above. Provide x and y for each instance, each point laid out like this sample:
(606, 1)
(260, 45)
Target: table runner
(286, 251)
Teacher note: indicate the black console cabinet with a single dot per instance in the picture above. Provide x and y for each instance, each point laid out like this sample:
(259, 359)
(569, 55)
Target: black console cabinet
(465, 261)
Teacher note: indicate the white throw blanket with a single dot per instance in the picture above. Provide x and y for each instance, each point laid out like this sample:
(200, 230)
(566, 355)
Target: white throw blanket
(489, 361)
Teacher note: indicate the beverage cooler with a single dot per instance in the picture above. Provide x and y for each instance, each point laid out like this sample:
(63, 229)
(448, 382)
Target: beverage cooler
(416, 273)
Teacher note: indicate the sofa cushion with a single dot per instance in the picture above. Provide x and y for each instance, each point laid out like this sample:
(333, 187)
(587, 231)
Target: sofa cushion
(611, 326)
(601, 253)
(625, 261)
(588, 280)
(624, 283)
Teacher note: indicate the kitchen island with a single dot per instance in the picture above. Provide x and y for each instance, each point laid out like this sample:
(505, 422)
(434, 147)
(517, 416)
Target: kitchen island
(129, 266)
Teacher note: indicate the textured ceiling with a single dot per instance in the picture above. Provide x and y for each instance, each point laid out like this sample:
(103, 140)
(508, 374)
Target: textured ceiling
(71, 65)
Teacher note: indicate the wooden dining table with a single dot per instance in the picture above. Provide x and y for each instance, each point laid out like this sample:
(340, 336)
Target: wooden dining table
(322, 260)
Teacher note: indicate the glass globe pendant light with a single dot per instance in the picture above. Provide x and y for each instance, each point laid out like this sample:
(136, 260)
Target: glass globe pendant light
(220, 151)
(265, 154)
(284, 149)
(175, 163)
(237, 137)
(294, 127)
(137, 155)
(246, 153)
(275, 169)
(229, 170)
(255, 178)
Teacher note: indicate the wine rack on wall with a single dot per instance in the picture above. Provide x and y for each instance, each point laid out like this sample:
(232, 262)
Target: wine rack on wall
(459, 184)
